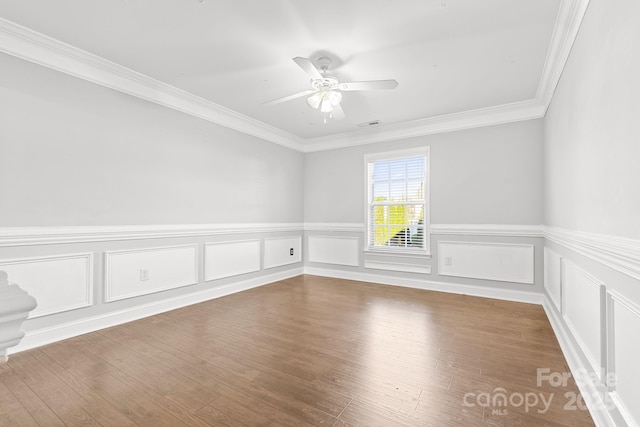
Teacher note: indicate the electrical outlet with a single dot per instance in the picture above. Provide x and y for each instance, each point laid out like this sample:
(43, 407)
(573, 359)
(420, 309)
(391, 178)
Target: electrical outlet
(448, 260)
(144, 275)
(291, 251)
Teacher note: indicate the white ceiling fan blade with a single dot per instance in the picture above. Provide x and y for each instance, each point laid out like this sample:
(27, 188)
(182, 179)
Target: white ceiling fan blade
(289, 98)
(337, 113)
(308, 67)
(371, 85)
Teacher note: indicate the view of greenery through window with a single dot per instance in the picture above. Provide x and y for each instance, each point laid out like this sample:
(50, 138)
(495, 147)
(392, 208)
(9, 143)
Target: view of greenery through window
(397, 205)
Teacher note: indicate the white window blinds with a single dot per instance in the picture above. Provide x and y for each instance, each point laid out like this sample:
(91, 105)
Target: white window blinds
(397, 202)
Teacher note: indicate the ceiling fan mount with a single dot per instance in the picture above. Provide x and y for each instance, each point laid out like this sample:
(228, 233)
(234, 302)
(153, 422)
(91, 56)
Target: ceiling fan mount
(323, 64)
(326, 90)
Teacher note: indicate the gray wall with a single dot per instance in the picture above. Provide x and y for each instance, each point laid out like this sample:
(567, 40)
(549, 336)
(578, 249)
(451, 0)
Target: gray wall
(489, 175)
(591, 133)
(592, 185)
(73, 153)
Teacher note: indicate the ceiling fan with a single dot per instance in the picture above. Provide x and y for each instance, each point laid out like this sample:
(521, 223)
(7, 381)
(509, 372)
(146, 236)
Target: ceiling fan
(326, 89)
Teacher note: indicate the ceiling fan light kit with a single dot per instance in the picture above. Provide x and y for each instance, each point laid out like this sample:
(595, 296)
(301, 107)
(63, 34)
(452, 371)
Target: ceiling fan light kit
(325, 100)
(326, 90)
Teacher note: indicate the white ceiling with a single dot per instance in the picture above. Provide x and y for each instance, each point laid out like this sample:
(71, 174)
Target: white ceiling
(449, 56)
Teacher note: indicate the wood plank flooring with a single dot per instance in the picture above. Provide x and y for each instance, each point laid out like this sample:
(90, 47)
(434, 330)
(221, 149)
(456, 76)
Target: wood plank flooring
(304, 351)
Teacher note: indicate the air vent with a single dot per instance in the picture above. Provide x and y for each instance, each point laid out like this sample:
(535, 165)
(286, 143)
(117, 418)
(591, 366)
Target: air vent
(371, 123)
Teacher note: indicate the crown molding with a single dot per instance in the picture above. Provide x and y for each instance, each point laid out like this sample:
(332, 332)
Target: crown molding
(499, 114)
(38, 48)
(568, 21)
(41, 49)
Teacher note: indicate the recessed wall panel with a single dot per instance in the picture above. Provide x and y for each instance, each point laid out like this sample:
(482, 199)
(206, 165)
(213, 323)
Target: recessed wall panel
(58, 283)
(625, 350)
(138, 272)
(582, 311)
(488, 261)
(280, 251)
(334, 250)
(226, 259)
(553, 276)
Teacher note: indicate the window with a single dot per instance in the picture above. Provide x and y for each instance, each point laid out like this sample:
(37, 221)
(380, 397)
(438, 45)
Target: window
(397, 211)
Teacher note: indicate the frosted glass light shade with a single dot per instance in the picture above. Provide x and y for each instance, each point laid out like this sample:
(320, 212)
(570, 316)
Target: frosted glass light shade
(334, 97)
(325, 105)
(315, 99)
(325, 101)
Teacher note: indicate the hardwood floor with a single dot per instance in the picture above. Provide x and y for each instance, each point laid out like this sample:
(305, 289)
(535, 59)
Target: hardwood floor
(303, 351)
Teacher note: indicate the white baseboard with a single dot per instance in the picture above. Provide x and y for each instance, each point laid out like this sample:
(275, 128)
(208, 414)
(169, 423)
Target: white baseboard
(40, 337)
(574, 356)
(63, 331)
(601, 416)
(478, 291)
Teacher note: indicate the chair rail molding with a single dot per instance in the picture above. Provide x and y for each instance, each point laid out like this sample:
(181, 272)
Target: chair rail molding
(488, 230)
(618, 253)
(460, 229)
(26, 236)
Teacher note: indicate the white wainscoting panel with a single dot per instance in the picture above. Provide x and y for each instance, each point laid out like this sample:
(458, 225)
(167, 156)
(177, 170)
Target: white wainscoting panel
(397, 266)
(334, 250)
(489, 261)
(58, 283)
(226, 259)
(166, 268)
(282, 251)
(624, 319)
(553, 276)
(582, 311)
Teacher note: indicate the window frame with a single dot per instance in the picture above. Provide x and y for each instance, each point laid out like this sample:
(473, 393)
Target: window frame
(396, 155)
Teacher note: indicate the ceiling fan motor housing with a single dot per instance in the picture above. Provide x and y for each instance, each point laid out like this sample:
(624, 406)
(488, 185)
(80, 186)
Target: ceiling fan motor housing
(327, 83)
